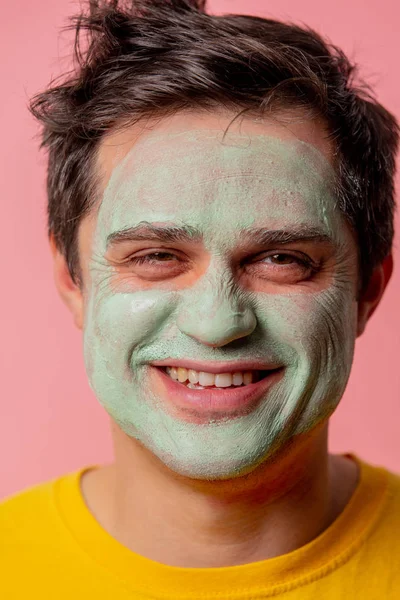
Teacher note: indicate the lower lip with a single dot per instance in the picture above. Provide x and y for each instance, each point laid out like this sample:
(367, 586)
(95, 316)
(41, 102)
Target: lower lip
(215, 403)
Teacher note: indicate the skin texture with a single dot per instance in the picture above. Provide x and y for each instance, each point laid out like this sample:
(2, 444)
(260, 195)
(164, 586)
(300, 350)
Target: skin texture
(191, 178)
(219, 297)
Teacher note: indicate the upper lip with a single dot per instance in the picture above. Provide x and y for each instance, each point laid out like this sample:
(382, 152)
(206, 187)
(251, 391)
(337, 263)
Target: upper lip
(216, 366)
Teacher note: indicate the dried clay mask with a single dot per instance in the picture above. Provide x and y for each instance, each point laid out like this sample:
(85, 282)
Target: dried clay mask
(220, 188)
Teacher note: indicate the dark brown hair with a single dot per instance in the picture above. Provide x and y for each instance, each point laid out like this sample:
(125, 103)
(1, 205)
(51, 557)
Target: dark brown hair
(152, 58)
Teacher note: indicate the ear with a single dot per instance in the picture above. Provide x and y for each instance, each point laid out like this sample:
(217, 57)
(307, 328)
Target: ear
(372, 295)
(69, 291)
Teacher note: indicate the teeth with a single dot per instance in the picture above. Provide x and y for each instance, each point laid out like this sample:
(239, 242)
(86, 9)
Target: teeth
(172, 372)
(247, 377)
(193, 376)
(206, 378)
(182, 374)
(202, 379)
(237, 378)
(223, 380)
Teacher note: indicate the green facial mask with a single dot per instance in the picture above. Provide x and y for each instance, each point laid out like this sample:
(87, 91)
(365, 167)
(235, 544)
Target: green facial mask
(219, 187)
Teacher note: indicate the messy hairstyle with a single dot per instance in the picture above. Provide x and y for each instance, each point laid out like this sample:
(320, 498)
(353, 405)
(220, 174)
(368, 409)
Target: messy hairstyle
(141, 59)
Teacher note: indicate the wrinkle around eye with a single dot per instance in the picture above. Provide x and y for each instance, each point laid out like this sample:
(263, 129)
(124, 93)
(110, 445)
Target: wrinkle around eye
(297, 271)
(150, 269)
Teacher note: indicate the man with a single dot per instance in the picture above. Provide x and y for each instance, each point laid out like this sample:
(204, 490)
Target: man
(221, 220)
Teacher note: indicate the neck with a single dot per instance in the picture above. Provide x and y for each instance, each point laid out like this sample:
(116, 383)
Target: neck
(279, 507)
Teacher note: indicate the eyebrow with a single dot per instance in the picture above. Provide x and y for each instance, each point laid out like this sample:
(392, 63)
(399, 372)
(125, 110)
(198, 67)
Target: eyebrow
(300, 233)
(146, 231)
(159, 233)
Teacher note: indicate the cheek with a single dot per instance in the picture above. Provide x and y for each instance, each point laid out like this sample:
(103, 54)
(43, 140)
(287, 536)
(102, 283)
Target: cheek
(117, 325)
(319, 327)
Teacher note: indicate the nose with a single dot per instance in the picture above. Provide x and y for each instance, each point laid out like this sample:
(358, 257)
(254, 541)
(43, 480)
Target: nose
(214, 314)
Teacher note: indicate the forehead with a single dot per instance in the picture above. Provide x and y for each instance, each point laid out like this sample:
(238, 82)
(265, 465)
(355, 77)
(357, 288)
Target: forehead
(201, 178)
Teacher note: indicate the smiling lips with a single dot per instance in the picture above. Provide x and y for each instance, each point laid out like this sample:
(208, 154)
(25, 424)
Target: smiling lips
(201, 379)
(200, 395)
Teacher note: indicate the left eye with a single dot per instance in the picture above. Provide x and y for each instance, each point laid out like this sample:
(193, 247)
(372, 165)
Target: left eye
(285, 259)
(282, 268)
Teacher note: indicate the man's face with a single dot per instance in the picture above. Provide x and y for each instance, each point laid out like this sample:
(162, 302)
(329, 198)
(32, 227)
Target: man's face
(260, 269)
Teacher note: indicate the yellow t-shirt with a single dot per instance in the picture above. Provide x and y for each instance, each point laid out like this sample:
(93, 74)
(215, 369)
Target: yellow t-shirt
(51, 547)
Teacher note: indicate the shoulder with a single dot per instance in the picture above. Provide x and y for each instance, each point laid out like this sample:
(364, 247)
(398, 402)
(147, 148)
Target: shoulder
(32, 514)
(391, 487)
(35, 539)
(17, 510)
(393, 495)
(394, 482)
(383, 492)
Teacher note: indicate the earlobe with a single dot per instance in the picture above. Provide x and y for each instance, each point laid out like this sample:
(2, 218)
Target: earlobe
(372, 295)
(68, 290)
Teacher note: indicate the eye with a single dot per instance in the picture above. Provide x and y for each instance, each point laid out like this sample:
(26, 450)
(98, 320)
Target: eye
(156, 265)
(284, 259)
(153, 257)
(282, 267)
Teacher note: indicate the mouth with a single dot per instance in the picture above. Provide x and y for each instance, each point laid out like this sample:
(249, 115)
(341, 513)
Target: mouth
(199, 380)
(198, 396)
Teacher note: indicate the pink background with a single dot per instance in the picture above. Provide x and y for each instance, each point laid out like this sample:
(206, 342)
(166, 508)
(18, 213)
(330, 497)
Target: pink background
(50, 422)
